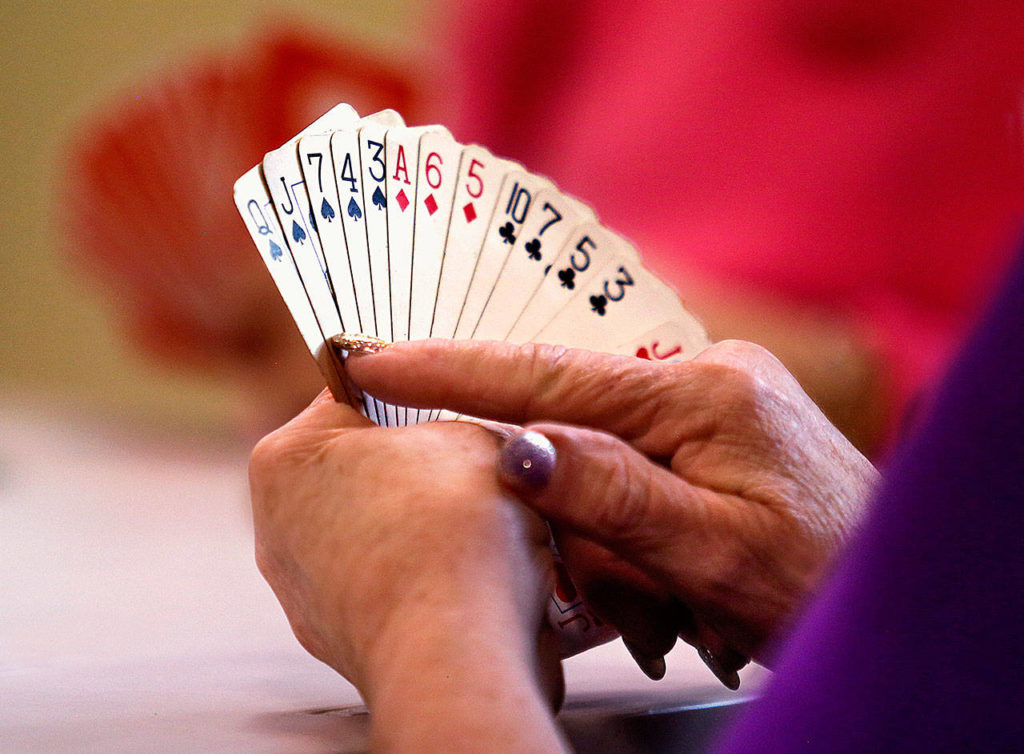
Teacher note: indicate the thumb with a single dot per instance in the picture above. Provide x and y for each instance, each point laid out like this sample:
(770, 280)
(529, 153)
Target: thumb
(600, 488)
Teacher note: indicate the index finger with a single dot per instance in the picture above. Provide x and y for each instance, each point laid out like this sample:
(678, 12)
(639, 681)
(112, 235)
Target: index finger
(518, 383)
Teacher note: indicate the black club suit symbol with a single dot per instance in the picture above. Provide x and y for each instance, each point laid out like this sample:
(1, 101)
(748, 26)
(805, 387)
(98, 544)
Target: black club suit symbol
(598, 304)
(506, 232)
(568, 277)
(533, 249)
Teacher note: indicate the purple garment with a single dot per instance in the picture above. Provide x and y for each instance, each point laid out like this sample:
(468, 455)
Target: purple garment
(916, 642)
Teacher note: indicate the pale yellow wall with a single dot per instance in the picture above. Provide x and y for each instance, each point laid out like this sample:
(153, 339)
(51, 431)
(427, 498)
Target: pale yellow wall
(59, 59)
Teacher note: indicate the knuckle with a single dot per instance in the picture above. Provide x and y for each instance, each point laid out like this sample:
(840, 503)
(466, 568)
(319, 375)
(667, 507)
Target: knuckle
(738, 353)
(748, 368)
(290, 446)
(744, 389)
(265, 457)
(569, 381)
(546, 366)
(546, 363)
(733, 378)
(277, 459)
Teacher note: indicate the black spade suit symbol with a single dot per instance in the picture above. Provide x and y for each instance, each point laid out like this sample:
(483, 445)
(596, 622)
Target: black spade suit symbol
(326, 211)
(353, 210)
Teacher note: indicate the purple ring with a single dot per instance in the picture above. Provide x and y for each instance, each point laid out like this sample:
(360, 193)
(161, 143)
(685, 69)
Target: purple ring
(527, 461)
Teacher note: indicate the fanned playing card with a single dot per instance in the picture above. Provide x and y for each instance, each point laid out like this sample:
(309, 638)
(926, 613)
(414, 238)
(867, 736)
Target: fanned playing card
(370, 226)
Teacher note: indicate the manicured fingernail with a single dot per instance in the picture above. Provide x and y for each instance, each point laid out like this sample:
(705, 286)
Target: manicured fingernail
(330, 361)
(729, 678)
(653, 667)
(357, 343)
(527, 461)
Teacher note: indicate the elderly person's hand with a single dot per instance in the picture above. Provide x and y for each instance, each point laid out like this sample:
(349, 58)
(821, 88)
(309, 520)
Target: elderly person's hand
(402, 563)
(713, 491)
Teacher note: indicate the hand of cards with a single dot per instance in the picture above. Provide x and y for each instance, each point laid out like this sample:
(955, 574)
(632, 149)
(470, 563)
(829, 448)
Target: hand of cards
(369, 226)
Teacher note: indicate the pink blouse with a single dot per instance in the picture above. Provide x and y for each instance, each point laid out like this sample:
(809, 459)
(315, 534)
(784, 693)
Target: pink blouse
(861, 158)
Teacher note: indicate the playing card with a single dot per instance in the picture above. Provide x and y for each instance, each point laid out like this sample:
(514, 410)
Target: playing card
(575, 625)
(373, 172)
(670, 342)
(622, 298)
(402, 154)
(481, 176)
(438, 170)
(401, 147)
(513, 204)
(348, 269)
(285, 184)
(288, 195)
(257, 213)
(552, 217)
(438, 173)
(589, 248)
(252, 192)
(351, 211)
(324, 226)
(348, 175)
(373, 176)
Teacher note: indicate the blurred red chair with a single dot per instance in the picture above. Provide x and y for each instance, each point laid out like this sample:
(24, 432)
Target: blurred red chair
(148, 208)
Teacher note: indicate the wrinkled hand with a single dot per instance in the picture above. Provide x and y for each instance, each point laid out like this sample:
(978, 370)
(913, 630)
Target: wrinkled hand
(713, 491)
(396, 553)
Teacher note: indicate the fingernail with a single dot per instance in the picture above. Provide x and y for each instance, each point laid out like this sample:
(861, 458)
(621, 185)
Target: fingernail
(653, 667)
(329, 360)
(527, 462)
(729, 678)
(357, 343)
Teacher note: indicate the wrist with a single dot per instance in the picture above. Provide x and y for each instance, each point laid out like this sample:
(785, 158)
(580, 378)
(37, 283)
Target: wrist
(458, 681)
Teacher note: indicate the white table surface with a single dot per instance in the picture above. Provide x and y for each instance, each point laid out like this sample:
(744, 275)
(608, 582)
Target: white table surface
(132, 616)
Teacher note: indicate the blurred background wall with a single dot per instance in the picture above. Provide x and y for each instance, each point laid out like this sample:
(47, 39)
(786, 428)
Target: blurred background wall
(62, 61)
